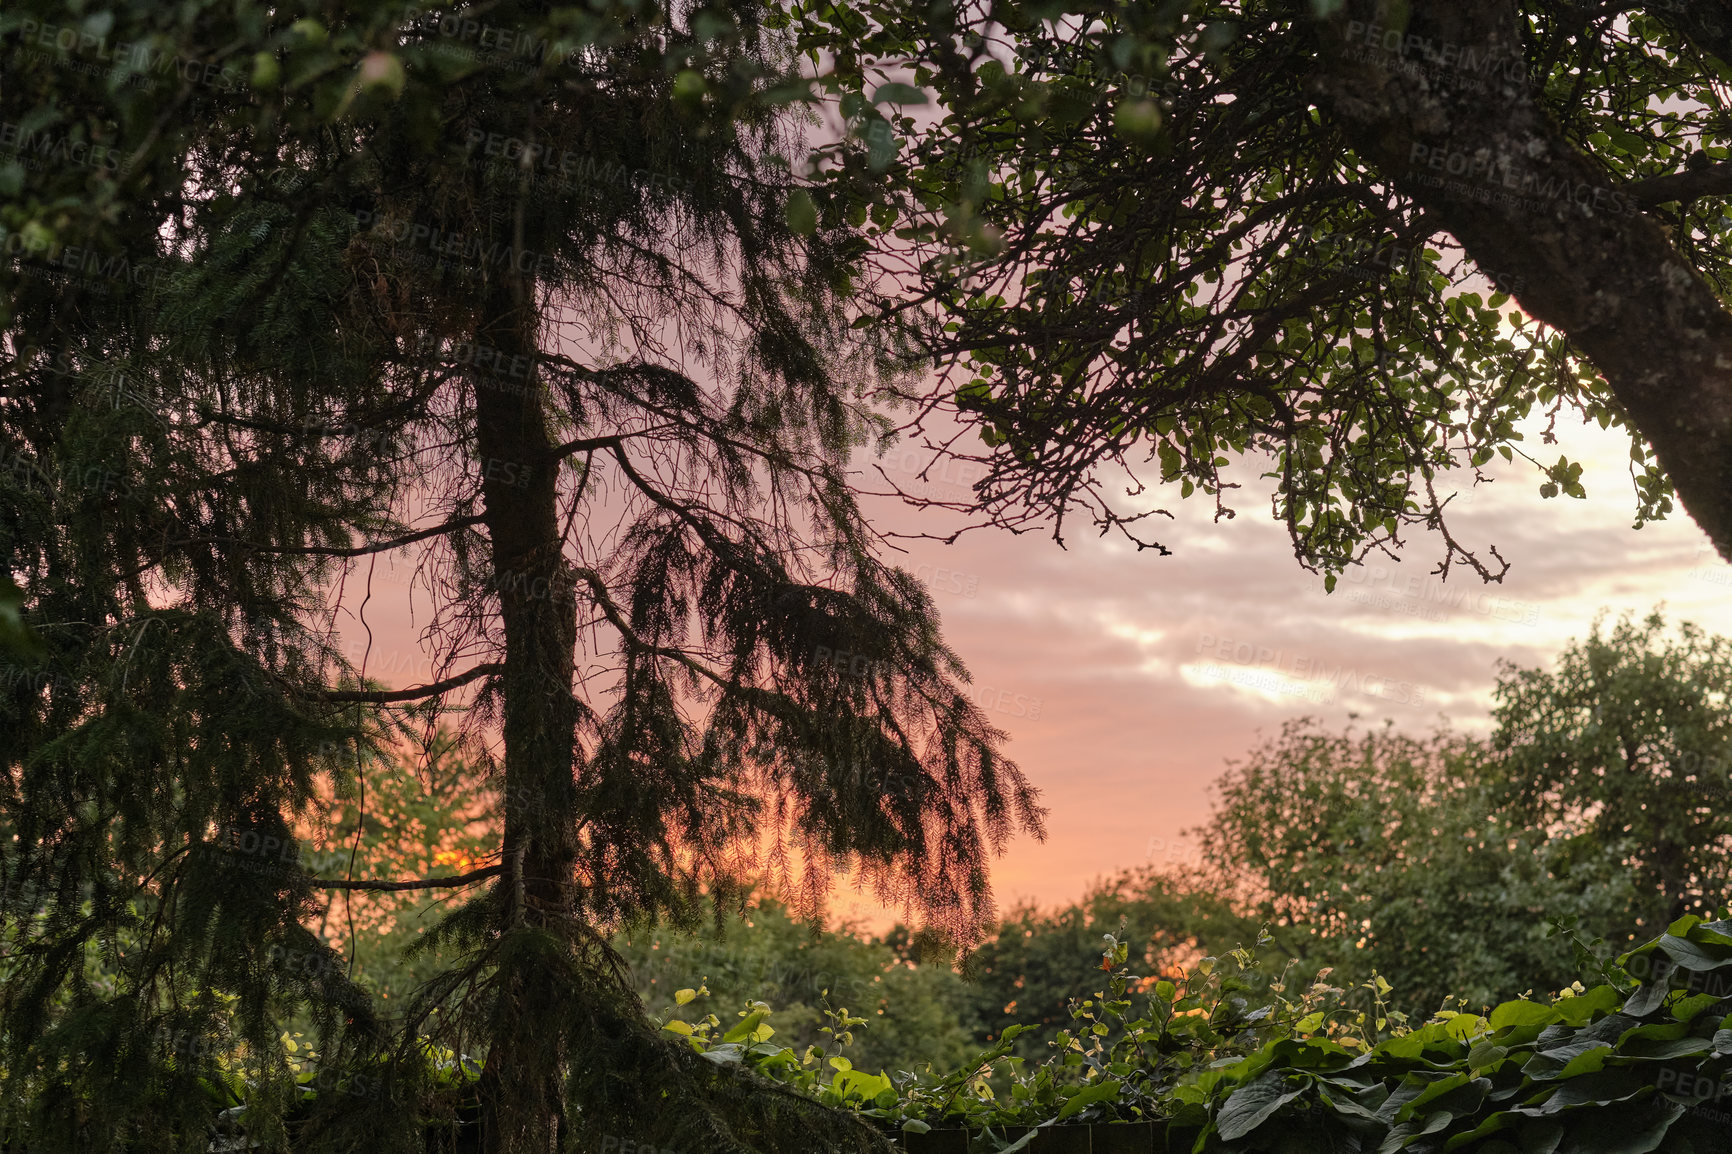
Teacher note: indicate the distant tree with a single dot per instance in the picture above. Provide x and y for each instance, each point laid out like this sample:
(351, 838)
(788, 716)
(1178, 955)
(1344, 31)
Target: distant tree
(1380, 851)
(427, 809)
(1440, 861)
(1623, 751)
(1027, 971)
(516, 286)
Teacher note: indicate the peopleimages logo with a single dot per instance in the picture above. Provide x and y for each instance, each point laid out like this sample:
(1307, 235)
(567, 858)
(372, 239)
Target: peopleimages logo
(950, 580)
(66, 261)
(1426, 596)
(1470, 67)
(1280, 672)
(133, 57)
(35, 150)
(566, 168)
(454, 248)
(1492, 179)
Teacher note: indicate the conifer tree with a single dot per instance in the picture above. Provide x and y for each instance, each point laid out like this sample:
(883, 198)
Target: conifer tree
(527, 290)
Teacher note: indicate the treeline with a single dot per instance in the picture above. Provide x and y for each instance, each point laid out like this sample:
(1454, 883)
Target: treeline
(1438, 862)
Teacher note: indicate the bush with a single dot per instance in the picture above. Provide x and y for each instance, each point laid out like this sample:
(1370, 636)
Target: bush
(918, 1011)
(1232, 1058)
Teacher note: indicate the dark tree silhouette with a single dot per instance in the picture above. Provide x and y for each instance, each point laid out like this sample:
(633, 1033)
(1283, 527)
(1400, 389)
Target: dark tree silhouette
(514, 287)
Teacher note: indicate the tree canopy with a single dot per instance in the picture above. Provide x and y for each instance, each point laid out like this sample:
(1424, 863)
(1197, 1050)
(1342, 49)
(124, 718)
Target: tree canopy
(1156, 238)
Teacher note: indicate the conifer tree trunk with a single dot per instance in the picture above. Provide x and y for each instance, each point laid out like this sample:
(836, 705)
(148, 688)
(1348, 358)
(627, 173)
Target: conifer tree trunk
(522, 1082)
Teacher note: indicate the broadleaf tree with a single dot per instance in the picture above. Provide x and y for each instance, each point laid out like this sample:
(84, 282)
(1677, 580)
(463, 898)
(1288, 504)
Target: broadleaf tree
(1161, 238)
(1440, 861)
(515, 287)
(1626, 744)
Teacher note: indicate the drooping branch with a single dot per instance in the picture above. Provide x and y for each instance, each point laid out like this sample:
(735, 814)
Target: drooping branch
(387, 696)
(617, 618)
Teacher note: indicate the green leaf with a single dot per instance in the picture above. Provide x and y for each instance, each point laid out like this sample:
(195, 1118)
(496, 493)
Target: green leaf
(1252, 1104)
(895, 92)
(802, 213)
(745, 1027)
(1098, 1091)
(1521, 1013)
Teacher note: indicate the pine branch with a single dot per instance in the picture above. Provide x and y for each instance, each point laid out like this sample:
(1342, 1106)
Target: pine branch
(450, 526)
(385, 696)
(418, 884)
(617, 618)
(583, 444)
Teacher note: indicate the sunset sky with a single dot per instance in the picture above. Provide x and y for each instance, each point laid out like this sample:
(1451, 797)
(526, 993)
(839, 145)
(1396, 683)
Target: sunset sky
(1151, 672)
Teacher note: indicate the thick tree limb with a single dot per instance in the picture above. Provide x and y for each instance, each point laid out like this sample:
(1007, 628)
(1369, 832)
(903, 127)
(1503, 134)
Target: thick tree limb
(1712, 180)
(386, 696)
(1484, 160)
(418, 884)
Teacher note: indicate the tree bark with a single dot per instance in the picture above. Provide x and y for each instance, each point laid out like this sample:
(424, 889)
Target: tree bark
(522, 1083)
(1438, 100)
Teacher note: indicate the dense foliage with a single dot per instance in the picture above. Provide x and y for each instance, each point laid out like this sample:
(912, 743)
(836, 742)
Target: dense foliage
(1025, 974)
(1623, 752)
(1382, 859)
(1438, 860)
(1231, 1058)
(1385, 851)
(287, 292)
(917, 1009)
(1192, 240)
(1398, 888)
(542, 291)
(1242, 1054)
